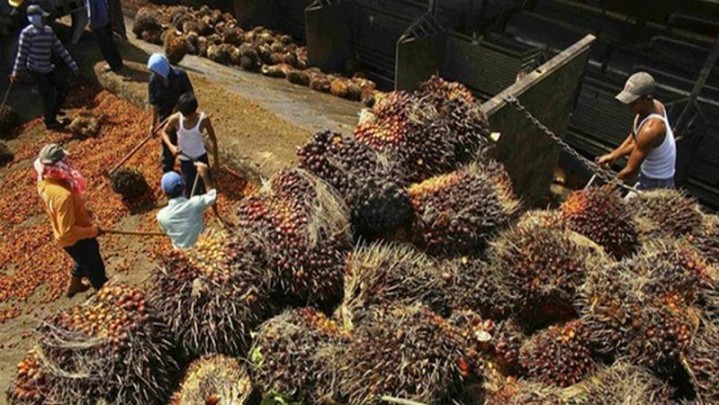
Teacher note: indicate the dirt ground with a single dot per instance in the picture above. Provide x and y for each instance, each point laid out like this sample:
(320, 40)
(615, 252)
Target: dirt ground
(255, 140)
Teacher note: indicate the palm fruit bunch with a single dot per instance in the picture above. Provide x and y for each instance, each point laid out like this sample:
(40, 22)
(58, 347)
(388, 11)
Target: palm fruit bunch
(292, 356)
(620, 383)
(113, 347)
(543, 268)
(383, 273)
(558, 355)
(175, 46)
(602, 215)
(129, 183)
(212, 295)
(478, 333)
(457, 212)
(30, 385)
(455, 103)
(304, 229)
(6, 155)
(511, 391)
(624, 319)
(507, 340)
(84, 126)
(148, 25)
(706, 238)
(425, 353)
(665, 213)
(9, 119)
(214, 380)
(366, 182)
(702, 363)
(472, 285)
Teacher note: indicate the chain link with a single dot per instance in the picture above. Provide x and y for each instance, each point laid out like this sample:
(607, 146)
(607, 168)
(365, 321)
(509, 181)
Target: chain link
(598, 171)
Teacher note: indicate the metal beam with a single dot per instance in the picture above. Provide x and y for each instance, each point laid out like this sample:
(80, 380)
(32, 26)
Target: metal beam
(684, 119)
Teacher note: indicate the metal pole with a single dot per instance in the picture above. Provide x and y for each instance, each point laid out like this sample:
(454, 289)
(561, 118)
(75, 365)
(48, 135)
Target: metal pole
(684, 117)
(433, 7)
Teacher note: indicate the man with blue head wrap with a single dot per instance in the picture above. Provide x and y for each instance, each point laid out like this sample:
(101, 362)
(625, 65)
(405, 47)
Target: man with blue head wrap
(38, 44)
(167, 83)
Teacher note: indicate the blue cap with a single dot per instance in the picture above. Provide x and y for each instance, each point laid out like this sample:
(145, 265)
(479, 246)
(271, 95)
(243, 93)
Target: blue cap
(159, 64)
(172, 183)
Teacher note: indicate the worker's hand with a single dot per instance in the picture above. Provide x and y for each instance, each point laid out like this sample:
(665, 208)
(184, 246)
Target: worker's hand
(605, 160)
(14, 78)
(176, 151)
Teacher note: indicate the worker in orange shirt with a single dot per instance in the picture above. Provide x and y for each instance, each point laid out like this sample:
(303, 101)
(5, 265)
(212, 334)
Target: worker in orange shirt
(61, 188)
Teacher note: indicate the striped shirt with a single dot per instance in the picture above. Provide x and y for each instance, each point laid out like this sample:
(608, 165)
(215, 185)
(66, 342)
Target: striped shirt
(36, 48)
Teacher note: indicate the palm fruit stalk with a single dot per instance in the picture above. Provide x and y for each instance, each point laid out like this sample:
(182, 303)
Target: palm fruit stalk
(214, 380)
(665, 213)
(304, 229)
(702, 363)
(557, 356)
(456, 213)
(543, 268)
(212, 295)
(604, 217)
(383, 273)
(112, 348)
(427, 357)
(292, 356)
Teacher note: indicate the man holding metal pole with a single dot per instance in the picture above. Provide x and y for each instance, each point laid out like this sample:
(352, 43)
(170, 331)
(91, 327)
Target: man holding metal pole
(98, 11)
(650, 145)
(61, 188)
(183, 219)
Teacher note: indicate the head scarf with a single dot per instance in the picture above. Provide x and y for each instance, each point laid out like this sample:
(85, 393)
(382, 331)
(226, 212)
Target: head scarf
(159, 64)
(61, 171)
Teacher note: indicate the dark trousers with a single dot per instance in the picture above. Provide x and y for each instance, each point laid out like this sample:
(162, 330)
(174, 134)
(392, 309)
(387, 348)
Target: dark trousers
(168, 160)
(53, 89)
(189, 172)
(108, 47)
(88, 262)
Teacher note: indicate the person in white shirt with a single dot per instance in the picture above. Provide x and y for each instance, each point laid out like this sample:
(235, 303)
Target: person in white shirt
(183, 219)
(189, 124)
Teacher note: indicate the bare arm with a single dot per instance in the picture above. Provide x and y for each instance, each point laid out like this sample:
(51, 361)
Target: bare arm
(169, 127)
(207, 123)
(622, 150)
(646, 139)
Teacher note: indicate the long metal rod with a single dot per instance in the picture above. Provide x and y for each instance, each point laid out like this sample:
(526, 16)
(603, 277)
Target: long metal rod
(136, 148)
(7, 94)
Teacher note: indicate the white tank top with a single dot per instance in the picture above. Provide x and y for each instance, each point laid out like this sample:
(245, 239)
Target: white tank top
(190, 140)
(660, 161)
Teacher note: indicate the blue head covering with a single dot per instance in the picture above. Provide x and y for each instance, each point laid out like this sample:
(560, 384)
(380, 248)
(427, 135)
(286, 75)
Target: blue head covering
(159, 64)
(172, 183)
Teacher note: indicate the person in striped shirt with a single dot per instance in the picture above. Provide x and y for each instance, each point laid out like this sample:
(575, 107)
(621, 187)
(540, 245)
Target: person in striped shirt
(38, 44)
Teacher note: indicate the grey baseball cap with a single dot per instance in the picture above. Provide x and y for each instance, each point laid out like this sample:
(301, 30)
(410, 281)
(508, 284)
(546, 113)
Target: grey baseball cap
(52, 153)
(35, 9)
(638, 85)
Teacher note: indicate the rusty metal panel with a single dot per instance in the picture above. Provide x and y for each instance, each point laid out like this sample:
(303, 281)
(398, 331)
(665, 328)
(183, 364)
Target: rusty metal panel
(329, 34)
(420, 53)
(374, 38)
(292, 17)
(548, 92)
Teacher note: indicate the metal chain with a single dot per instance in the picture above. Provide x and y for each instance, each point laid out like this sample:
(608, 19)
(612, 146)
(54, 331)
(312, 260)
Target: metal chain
(598, 171)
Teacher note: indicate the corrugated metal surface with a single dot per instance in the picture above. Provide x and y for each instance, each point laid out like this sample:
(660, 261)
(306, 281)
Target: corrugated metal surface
(374, 39)
(292, 18)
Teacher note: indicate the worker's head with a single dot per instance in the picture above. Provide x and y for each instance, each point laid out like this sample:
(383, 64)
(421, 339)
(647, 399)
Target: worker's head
(638, 93)
(51, 163)
(187, 104)
(36, 15)
(159, 65)
(173, 185)
(51, 153)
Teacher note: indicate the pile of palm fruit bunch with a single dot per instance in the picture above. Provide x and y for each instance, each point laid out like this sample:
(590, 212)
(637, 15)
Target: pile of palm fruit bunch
(303, 226)
(428, 132)
(214, 380)
(367, 182)
(456, 213)
(212, 295)
(215, 35)
(292, 355)
(113, 347)
(654, 220)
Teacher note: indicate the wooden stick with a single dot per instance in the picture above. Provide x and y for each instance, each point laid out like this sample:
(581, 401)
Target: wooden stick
(400, 401)
(137, 233)
(137, 148)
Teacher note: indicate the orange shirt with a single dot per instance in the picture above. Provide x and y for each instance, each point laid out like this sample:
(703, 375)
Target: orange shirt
(70, 219)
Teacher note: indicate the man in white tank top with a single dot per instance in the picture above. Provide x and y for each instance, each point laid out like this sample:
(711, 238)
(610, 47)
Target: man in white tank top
(650, 145)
